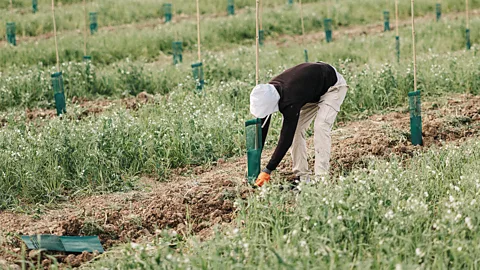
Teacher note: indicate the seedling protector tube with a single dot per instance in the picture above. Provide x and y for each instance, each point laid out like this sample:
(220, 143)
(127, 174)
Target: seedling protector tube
(261, 37)
(438, 11)
(305, 52)
(11, 38)
(177, 52)
(93, 22)
(197, 69)
(467, 36)
(415, 117)
(327, 23)
(230, 7)
(253, 133)
(290, 2)
(34, 6)
(386, 21)
(167, 11)
(397, 47)
(59, 93)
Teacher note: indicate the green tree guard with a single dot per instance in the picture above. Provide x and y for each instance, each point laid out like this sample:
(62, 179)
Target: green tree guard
(197, 69)
(415, 117)
(261, 37)
(438, 11)
(327, 23)
(35, 6)
(87, 58)
(290, 2)
(253, 132)
(386, 21)
(59, 93)
(11, 38)
(397, 47)
(93, 22)
(230, 7)
(167, 11)
(467, 36)
(305, 52)
(177, 52)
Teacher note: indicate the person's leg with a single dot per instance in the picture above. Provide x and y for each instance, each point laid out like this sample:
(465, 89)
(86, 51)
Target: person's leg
(299, 145)
(329, 107)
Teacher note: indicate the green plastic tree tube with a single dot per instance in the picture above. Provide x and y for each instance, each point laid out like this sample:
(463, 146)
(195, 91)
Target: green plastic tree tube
(386, 21)
(253, 133)
(397, 47)
(261, 37)
(197, 69)
(11, 37)
(230, 7)
(327, 23)
(93, 22)
(177, 52)
(34, 6)
(305, 52)
(415, 117)
(167, 11)
(59, 93)
(438, 11)
(87, 58)
(467, 36)
(290, 2)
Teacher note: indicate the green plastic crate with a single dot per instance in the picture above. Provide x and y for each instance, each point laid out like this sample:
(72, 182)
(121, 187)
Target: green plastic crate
(253, 134)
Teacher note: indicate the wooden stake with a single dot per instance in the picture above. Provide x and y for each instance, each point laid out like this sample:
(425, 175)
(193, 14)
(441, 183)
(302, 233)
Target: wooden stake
(85, 28)
(396, 17)
(303, 26)
(257, 11)
(11, 5)
(55, 35)
(468, 20)
(261, 15)
(198, 32)
(414, 49)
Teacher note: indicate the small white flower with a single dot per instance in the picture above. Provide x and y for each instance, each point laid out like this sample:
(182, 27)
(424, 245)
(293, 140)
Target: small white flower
(419, 252)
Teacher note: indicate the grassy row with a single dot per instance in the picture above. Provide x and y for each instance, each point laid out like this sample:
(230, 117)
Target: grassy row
(147, 44)
(110, 13)
(419, 215)
(23, 87)
(44, 160)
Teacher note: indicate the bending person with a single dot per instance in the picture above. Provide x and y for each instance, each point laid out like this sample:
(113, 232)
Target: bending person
(301, 93)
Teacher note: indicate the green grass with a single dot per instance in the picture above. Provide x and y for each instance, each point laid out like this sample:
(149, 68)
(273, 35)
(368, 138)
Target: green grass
(44, 160)
(416, 214)
(148, 43)
(30, 87)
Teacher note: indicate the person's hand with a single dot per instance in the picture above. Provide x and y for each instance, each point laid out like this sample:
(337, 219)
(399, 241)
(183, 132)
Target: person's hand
(262, 179)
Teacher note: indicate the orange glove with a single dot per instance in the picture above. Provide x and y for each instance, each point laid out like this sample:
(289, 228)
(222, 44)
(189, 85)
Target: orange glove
(262, 179)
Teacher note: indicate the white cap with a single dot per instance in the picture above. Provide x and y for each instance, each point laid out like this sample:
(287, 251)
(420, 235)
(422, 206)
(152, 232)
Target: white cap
(264, 100)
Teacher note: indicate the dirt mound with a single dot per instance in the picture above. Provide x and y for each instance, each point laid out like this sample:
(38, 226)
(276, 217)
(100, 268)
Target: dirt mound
(194, 203)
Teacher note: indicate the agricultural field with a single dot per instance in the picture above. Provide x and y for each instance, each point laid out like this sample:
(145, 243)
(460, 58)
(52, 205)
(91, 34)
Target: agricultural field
(156, 168)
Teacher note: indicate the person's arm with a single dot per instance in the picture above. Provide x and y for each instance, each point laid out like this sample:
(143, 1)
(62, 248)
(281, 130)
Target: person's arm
(290, 121)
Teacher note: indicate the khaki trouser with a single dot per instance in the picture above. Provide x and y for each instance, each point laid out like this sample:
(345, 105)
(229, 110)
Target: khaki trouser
(326, 112)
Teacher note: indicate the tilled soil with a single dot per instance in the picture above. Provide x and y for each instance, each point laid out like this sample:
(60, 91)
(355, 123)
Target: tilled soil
(193, 204)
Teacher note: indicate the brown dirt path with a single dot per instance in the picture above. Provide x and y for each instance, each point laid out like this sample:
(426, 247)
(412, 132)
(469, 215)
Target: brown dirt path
(192, 204)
